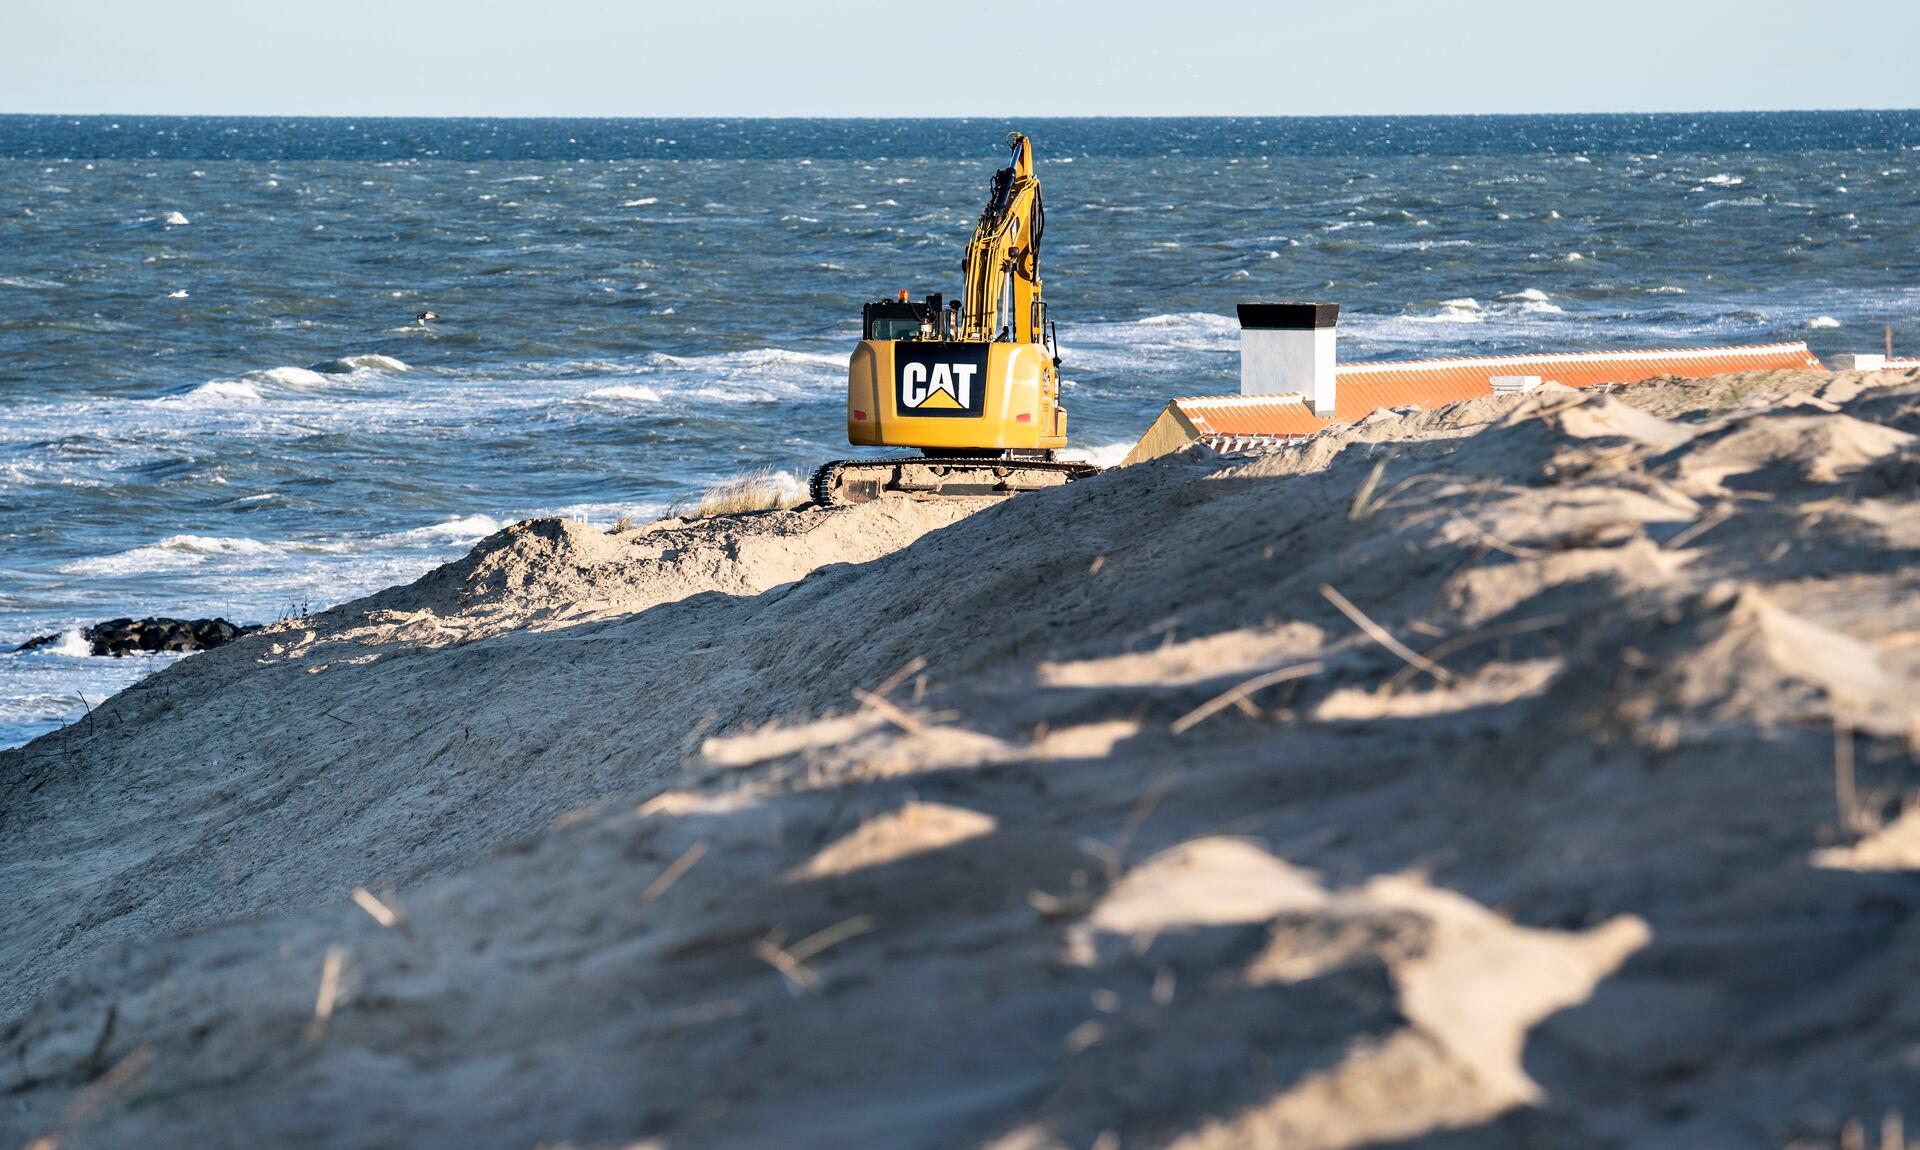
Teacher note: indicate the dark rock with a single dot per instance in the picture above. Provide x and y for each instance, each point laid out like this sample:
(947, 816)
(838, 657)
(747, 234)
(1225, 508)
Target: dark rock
(123, 636)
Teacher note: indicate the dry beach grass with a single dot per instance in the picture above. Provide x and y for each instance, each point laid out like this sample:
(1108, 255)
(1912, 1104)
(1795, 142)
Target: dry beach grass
(1534, 771)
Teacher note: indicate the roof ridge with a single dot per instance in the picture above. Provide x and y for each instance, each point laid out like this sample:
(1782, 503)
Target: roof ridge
(1558, 357)
(1276, 397)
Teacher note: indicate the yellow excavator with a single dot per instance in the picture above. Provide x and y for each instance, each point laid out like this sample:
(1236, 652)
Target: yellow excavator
(974, 384)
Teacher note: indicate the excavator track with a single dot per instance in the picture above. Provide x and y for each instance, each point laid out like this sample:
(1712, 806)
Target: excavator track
(845, 482)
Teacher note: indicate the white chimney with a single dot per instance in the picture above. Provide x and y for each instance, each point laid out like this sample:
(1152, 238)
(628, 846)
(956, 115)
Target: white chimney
(1288, 348)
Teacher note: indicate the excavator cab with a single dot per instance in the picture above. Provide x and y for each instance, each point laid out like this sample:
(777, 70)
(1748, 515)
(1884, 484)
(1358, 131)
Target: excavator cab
(902, 318)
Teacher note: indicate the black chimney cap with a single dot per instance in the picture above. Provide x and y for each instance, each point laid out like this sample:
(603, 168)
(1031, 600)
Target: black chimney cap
(1288, 316)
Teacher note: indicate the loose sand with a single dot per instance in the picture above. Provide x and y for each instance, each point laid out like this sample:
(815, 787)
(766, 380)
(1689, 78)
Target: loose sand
(1530, 772)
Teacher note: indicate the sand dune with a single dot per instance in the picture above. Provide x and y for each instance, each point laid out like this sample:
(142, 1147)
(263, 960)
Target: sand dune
(1529, 772)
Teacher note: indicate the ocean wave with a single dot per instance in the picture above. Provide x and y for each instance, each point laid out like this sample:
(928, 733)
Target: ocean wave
(1531, 295)
(292, 376)
(464, 529)
(1101, 454)
(224, 391)
(606, 514)
(1463, 310)
(175, 220)
(29, 283)
(629, 392)
(1192, 319)
(642, 202)
(352, 363)
(173, 553)
(758, 357)
(1825, 321)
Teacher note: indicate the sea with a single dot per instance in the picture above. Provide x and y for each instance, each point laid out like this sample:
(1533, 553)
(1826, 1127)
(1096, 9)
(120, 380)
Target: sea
(215, 398)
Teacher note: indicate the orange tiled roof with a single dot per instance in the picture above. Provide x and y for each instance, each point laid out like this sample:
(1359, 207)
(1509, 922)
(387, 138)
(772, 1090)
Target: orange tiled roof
(1236, 415)
(1374, 385)
(1361, 388)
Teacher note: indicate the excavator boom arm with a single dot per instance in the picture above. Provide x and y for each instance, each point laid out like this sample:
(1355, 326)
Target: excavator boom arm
(1003, 258)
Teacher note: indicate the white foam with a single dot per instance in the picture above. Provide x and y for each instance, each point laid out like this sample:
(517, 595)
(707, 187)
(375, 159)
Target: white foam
(1192, 319)
(605, 514)
(758, 357)
(631, 392)
(349, 363)
(72, 644)
(224, 390)
(174, 553)
(465, 529)
(642, 202)
(175, 219)
(28, 282)
(1723, 180)
(1533, 295)
(1824, 321)
(1463, 310)
(293, 377)
(1100, 454)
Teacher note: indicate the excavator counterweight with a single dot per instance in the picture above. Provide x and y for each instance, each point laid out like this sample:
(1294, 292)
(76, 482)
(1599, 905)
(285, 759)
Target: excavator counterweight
(974, 384)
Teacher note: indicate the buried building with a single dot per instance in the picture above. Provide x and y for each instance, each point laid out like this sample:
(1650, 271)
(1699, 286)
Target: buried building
(1292, 386)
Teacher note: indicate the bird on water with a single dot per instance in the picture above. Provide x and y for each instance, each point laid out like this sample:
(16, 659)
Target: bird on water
(426, 316)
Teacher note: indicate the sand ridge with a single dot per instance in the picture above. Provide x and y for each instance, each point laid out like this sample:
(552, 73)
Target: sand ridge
(1528, 771)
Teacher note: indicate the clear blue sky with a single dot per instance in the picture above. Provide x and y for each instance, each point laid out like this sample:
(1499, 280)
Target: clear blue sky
(987, 57)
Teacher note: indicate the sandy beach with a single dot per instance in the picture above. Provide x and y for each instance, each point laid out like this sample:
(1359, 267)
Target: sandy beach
(1529, 772)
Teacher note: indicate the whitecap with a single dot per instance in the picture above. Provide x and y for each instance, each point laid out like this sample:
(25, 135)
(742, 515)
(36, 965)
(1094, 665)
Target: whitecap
(1540, 307)
(175, 219)
(1453, 311)
(1722, 179)
(1100, 454)
(631, 392)
(369, 362)
(465, 529)
(1199, 319)
(293, 377)
(28, 283)
(224, 390)
(1534, 295)
(1824, 321)
(72, 645)
(642, 202)
(173, 553)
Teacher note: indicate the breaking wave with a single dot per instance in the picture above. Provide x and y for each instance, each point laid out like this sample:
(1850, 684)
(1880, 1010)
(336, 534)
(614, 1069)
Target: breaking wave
(629, 392)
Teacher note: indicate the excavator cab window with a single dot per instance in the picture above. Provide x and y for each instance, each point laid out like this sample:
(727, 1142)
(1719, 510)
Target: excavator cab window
(905, 319)
(894, 329)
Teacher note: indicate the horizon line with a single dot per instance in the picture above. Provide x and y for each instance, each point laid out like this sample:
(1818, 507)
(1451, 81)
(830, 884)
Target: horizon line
(948, 119)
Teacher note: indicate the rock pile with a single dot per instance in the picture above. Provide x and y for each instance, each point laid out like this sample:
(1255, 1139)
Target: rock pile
(134, 636)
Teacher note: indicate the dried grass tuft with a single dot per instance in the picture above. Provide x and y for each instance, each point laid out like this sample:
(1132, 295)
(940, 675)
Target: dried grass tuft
(760, 491)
